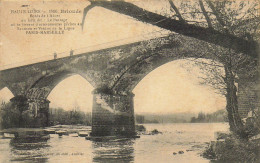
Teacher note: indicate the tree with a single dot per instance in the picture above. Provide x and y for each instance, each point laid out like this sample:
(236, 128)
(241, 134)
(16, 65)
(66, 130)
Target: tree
(71, 117)
(201, 117)
(232, 26)
(226, 19)
(210, 35)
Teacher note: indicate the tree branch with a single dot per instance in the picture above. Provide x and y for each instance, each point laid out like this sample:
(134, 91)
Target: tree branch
(245, 22)
(176, 10)
(216, 13)
(86, 9)
(201, 33)
(205, 14)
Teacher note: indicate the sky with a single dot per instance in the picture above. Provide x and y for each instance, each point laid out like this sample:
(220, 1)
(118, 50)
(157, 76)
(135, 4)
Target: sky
(101, 26)
(169, 88)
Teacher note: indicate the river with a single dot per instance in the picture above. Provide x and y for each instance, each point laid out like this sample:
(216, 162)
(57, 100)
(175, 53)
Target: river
(186, 137)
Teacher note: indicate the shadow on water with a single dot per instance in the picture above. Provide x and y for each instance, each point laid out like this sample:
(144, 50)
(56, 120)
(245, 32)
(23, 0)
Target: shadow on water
(113, 151)
(25, 150)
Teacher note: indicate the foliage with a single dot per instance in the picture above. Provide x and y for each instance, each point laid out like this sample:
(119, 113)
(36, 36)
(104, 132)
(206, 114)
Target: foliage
(9, 116)
(218, 116)
(72, 117)
(103, 89)
(233, 149)
(239, 18)
(252, 123)
(12, 117)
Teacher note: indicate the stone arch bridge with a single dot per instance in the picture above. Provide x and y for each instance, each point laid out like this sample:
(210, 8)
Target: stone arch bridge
(113, 72)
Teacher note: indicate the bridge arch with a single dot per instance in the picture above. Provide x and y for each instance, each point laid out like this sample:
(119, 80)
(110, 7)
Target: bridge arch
(172, 60)
(34, 102)
(130, 78)
(160, 51)
(113, 72)
(72, 92)
(44, 84)
(171, 88)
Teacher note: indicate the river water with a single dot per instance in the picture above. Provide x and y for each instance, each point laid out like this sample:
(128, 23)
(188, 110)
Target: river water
(186, 137)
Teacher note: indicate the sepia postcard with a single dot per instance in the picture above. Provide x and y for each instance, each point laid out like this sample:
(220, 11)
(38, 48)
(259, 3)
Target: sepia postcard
(129, 81)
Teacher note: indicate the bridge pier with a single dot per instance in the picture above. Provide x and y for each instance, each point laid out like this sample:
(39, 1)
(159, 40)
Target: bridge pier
(113, 114)
(19, 103)
(32, 112)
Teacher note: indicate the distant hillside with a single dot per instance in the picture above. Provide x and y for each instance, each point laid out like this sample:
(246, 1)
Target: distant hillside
(164, 118)
(218, 116)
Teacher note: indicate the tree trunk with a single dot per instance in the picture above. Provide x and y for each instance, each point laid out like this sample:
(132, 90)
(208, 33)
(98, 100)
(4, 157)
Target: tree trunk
(235, 122)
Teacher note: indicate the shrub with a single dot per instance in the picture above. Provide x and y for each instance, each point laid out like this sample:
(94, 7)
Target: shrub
(233, 149)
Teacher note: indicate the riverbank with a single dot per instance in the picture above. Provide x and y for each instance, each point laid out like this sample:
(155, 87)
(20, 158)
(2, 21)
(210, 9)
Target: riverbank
(229, 148)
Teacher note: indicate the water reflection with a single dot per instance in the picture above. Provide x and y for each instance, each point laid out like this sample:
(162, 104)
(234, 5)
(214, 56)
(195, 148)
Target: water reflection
(113, 151)
(28, 150)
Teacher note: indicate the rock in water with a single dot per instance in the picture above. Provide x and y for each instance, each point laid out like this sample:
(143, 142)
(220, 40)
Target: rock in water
(180, 152)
